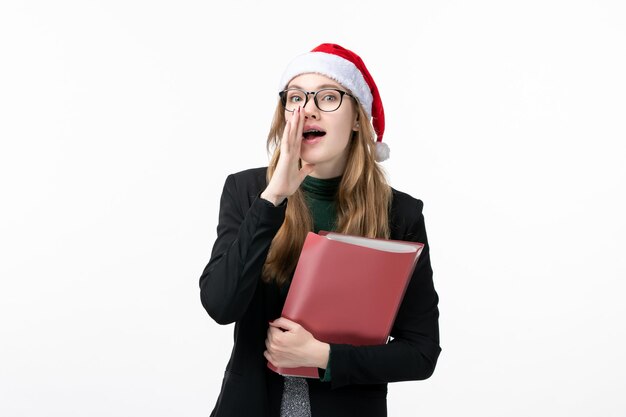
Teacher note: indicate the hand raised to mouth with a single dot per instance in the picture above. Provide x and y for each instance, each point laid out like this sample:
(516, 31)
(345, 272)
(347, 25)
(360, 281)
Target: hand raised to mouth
(288, 175)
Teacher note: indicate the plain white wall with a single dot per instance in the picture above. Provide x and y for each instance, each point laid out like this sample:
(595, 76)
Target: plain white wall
(119, 121)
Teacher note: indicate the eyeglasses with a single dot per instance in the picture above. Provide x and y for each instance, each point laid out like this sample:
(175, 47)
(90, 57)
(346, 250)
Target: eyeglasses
(326, 99)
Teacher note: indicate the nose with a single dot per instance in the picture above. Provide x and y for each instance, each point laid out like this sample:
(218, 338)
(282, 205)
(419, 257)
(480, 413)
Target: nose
(310, 109)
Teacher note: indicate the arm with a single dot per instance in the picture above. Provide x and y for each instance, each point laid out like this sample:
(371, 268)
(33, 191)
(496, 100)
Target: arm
(230, 279)
(413, 352)
(243, 239)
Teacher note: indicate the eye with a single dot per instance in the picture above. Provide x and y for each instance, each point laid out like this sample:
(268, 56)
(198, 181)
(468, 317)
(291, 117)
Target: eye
(330, 96)
(295, 97)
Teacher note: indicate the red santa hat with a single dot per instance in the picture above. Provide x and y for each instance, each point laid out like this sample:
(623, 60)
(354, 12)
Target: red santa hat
(348, 69)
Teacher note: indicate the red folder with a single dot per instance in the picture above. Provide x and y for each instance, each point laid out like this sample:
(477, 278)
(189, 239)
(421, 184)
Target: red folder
(347, 289)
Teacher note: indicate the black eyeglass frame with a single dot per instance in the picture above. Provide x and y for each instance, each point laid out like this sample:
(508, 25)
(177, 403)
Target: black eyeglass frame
(283, 98)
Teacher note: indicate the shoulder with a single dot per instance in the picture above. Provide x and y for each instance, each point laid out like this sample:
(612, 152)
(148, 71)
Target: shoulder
(404, 215)
(405, 204)
(249, 179)
(244, 186)
(250, 175)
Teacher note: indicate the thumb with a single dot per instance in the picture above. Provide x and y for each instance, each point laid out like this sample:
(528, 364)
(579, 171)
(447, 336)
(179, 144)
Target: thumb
(283, 323)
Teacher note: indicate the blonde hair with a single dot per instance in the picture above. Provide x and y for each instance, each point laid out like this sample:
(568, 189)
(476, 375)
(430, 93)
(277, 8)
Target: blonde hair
(363, 199)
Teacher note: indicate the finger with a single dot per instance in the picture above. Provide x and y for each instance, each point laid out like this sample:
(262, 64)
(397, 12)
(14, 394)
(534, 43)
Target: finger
(269, 357)
(283, 323)
(267, 344)
(284, 142)
(292, 123)
(273, 332)
(293, 127)
(300, 127)
(274, 337)
(299, 131)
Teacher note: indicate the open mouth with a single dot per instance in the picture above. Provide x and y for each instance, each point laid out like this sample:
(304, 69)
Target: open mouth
(313, 134)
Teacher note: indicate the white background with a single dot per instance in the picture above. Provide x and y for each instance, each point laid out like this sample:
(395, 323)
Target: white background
(119, 121)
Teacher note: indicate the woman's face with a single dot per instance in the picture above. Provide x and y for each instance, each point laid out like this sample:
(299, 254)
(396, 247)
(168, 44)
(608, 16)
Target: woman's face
(326, 134)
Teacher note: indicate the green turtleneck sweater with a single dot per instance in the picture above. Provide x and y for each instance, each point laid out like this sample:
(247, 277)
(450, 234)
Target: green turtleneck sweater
(320, 198)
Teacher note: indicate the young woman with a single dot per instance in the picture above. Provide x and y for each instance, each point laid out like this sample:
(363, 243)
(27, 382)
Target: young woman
(324, 175)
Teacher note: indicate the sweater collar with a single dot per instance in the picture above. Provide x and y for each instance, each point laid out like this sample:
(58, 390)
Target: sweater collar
(321, 189)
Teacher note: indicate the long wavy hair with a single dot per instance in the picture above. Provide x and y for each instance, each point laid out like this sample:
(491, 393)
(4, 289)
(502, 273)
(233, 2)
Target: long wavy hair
(363, 199)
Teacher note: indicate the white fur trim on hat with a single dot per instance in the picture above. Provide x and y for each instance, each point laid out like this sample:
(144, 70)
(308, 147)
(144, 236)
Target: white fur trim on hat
(334, 67)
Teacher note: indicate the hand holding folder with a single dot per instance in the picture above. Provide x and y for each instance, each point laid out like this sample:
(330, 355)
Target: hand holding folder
(347, 289)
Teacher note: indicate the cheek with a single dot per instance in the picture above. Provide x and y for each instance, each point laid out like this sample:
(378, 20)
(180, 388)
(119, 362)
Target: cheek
(346, 131)
(342, 140)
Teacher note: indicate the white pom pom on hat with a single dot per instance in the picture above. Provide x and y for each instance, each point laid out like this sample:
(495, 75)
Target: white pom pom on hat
(348, 69)
(382, 151)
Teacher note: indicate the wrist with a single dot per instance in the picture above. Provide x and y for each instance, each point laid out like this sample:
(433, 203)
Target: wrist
(272, 198)
(322, 352)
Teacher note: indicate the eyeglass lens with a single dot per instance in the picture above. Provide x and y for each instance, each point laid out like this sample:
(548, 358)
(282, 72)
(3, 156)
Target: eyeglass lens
(326, 99)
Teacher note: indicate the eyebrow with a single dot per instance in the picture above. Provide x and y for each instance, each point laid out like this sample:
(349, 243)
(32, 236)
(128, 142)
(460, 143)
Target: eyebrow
(318, 87)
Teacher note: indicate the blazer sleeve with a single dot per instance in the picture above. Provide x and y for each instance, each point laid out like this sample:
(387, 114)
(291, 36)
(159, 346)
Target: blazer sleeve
(413, 351)
(244, 236)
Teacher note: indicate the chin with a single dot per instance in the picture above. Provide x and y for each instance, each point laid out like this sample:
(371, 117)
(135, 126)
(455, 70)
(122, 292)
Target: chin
(310, 159)
(316, 156)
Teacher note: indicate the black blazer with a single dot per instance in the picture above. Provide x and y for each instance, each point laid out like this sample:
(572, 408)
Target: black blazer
(231, 291)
